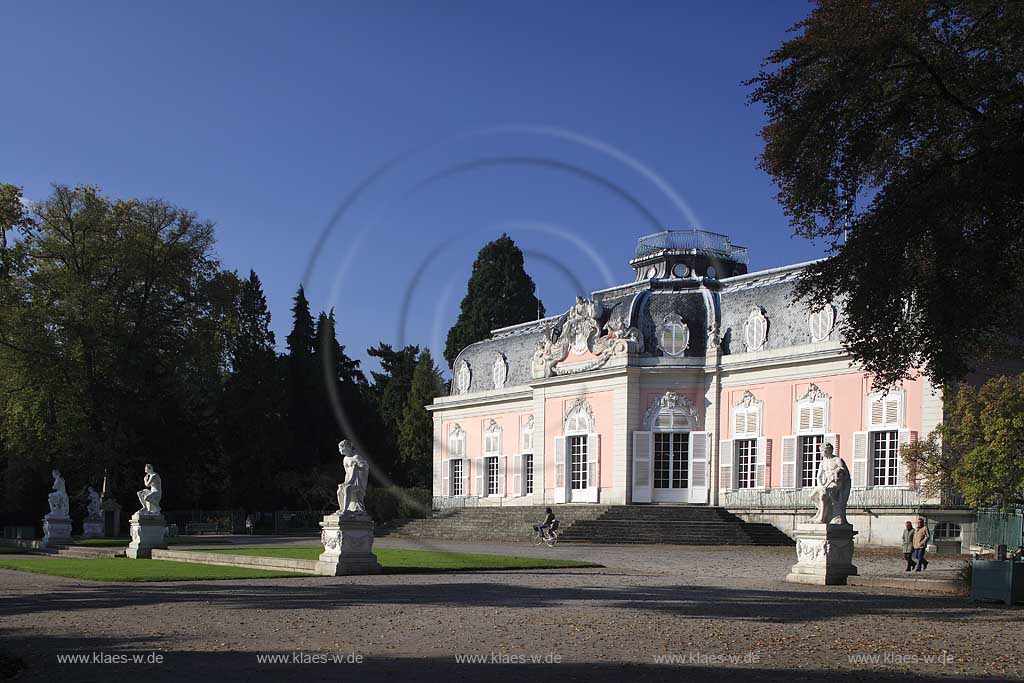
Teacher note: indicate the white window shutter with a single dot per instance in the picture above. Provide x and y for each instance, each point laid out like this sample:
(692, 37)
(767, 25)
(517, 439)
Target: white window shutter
(501, 475)
(593, 466)
(739, 423)
(907, 437)
(445, 476)
(861, 460)
(561, 480)
(876, 414)
(789, 462)
(763, 448)
(465, 476)
(642, 483)
(517, 475)
(699, 466)
(892, 410)
(726, 470)
(481, 477)
(803, 419)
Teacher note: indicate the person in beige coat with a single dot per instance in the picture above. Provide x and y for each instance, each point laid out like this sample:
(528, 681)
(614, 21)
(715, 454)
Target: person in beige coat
(921, 537)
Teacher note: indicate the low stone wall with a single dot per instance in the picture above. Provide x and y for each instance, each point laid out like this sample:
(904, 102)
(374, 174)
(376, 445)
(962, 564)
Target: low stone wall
(875, 527)
(246, 561)
(31, 544)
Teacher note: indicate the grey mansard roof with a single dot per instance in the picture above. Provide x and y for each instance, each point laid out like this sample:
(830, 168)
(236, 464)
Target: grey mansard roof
(647, 303)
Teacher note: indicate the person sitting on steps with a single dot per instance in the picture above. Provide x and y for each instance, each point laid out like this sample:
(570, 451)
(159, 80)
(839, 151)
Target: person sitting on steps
(545, 526)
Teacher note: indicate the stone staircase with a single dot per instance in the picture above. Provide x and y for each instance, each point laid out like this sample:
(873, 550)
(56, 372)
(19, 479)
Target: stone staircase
(651, 524)
(509, 523)
(674, 525)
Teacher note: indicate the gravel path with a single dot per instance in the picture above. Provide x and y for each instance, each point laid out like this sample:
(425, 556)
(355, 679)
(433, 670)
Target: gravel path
(722, 611)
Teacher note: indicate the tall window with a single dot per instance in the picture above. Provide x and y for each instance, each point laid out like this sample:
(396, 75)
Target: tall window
(528, 473)
(671, 460)
(492, 476)
(810, 458)
(746, 463)
(886, 456)
(578, 461)
(456, 478)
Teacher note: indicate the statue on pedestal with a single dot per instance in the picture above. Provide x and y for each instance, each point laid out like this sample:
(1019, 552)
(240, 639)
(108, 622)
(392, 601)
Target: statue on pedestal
(357, 471)
(59, 503)
(151, 495)
(832, 490)
(93, 507)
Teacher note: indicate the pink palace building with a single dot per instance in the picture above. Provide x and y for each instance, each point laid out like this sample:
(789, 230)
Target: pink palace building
(697, 383)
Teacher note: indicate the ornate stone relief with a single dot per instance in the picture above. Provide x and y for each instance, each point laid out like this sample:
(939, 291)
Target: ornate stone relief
(822, 322)
(499, 371)
(670, 400)
(581, 332)
(748, 400)
(813, 394)
(463, 376)
(582, 405)
(755, 330)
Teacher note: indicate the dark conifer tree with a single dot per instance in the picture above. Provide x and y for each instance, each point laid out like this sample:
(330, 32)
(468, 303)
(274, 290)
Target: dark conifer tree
(499, 293)
(416, 438)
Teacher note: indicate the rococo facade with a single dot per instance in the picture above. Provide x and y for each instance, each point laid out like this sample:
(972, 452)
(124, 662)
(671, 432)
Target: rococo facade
(698, 383)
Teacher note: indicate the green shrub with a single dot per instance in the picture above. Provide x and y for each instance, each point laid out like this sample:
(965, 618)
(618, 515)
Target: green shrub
(385, 503)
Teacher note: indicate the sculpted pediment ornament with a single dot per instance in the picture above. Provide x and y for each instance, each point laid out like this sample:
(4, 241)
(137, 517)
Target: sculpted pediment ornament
(671, 401)
(748, 400)
(580, 332)
(813, 395)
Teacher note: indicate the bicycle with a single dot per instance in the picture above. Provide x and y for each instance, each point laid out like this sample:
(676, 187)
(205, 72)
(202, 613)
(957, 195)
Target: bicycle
(550, 538)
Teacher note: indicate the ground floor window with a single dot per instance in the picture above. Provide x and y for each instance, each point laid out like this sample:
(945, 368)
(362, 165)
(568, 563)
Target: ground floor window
(671, 460)
(885, 454)
(578, 461)
(746, 463)
(456, 477)
(945, 531)
(810, 458)
(492, 476)
(528, 473)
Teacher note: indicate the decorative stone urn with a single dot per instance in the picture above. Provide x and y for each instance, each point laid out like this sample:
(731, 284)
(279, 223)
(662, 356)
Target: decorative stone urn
(347, 539)
(824, 554)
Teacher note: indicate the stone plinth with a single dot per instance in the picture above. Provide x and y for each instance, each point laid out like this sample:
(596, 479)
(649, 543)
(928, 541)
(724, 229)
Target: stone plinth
(92, 527)
(56, 530)
(824, 554)
(148, 532)
(348, 545)
(111, 518)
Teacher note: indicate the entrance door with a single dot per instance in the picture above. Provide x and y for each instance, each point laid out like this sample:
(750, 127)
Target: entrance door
(671, 467)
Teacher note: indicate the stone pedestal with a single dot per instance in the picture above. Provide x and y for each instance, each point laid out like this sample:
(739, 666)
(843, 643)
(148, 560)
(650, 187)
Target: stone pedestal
(148, 531)
(56, 530)
(92, 527)
(111, 518)
(348, 545)
(824, 554)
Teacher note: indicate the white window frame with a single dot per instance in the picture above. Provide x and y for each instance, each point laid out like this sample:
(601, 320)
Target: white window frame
(457, 485)
(528, 472)
(884, 411)
(746, 477)
(891, 407)
(816, 405)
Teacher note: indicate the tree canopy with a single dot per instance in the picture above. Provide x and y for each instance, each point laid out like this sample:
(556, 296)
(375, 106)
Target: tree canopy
(895, 135)
(499, 293)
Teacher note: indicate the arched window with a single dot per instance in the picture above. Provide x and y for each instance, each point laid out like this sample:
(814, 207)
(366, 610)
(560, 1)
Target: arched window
(499, 371)
(463, 375)
(755, 329)
(821, 322)
(579, 419)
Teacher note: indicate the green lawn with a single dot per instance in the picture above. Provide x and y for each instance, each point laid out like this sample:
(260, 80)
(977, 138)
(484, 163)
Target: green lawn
(399, 561)
(123, 569)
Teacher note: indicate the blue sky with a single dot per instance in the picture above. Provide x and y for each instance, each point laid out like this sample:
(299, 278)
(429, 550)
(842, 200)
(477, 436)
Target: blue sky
(573, 127)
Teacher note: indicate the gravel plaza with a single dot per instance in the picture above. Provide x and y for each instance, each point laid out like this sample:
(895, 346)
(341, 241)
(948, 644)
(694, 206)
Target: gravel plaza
(711, 613)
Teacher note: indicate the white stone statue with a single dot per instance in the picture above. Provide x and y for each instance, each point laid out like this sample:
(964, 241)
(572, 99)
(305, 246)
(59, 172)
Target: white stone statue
(832, 490)
(60, 506)
(93, 508)
(151, 495)
(353, 489)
